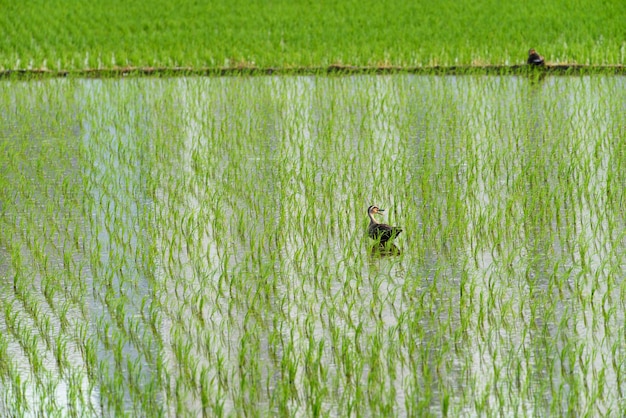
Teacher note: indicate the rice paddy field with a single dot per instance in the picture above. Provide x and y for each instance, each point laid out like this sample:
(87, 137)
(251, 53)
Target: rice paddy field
(59, 35)
(196, 246)
(185, 246)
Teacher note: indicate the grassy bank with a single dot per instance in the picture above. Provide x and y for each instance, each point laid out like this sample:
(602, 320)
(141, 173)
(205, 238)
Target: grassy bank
(69, 35)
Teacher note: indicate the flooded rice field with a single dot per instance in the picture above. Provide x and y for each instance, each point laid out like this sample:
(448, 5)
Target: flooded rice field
(197, 246)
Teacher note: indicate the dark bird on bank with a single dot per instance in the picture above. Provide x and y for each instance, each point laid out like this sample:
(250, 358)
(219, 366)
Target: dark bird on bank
(380, 232)
(534, 58)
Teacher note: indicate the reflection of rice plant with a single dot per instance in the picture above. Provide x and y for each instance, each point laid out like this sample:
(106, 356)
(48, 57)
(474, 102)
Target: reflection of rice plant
(196, 246)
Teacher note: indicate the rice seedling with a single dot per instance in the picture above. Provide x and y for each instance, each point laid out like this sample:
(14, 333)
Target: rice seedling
(68, 35)
(195, 246)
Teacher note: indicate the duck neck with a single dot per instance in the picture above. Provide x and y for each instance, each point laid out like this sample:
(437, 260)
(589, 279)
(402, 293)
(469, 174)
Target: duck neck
(372, 219)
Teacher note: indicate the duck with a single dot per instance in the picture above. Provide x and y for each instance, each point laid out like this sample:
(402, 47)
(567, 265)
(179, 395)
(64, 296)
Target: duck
(379, 231)
(534, 58)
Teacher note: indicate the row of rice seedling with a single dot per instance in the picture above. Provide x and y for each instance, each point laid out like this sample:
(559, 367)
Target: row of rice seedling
(70, 35)
(196, 246)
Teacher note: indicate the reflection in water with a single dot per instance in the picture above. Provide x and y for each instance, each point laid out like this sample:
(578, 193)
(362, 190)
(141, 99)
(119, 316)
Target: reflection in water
(536, 76)
(384, 250)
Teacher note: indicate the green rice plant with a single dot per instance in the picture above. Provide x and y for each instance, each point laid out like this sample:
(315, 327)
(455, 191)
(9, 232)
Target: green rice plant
(191, 246)
(68, 35)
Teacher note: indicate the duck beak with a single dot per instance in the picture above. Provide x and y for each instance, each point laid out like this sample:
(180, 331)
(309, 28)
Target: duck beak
(381, 210)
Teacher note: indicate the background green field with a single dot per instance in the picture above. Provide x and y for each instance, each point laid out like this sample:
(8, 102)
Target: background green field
(72, 34)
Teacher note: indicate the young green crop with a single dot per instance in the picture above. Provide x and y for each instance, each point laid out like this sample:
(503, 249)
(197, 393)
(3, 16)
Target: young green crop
(69, 34)
(196, 246)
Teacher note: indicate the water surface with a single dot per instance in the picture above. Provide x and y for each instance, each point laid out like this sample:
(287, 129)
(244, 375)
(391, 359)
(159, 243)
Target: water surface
(196, 245)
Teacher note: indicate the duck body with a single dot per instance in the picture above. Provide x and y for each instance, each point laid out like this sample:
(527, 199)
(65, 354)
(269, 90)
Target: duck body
(534, 58)
(379, 231)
